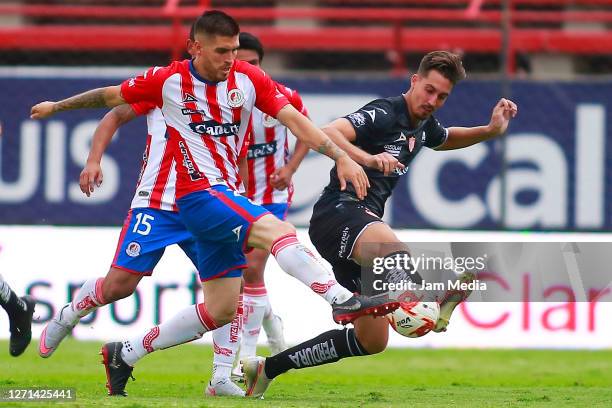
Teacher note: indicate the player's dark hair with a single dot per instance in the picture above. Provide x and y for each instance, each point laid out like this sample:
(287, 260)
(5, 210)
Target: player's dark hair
(249, 42)
(446, 63)
(215, 22)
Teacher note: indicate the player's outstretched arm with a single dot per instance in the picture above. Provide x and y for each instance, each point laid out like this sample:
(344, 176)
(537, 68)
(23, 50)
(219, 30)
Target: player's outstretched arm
(459, 137)
(109, 97)
(343, 133)
(314, 138)
(92, 175)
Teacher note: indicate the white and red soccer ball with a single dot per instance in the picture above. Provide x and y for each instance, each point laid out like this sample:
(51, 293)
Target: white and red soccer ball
(414, 319)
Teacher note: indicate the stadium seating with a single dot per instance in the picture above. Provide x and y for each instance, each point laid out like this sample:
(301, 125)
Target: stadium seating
(534, 26)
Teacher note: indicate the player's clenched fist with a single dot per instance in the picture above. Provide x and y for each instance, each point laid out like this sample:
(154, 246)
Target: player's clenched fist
(42, 110)
(384, 162)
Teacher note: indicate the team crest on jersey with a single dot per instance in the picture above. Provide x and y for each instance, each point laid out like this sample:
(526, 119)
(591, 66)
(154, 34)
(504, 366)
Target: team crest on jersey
(411, 142)
(133, 249)
(235, 98)
(269, 121)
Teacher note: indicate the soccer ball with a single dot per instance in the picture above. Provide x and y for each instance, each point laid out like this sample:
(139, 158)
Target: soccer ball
(414, 319)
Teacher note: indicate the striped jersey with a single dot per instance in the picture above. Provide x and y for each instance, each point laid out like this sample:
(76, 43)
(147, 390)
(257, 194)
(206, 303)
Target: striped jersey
(156, 183)
(268, 151)
(206, 121)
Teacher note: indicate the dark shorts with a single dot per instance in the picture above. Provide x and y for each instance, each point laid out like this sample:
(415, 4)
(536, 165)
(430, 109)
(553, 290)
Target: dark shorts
(335, 226)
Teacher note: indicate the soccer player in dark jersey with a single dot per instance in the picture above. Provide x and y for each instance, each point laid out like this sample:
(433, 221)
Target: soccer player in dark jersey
(384, 137)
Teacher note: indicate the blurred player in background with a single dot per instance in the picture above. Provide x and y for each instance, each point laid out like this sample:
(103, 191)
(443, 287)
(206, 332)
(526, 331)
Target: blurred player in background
(269, 185)
(206, 103)
(19, 311)
(384, 137)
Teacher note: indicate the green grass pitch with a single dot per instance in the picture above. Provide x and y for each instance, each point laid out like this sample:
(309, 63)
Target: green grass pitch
(396, 378)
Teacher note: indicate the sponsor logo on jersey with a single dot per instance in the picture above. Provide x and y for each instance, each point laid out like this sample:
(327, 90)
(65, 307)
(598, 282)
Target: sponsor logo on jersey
(400, 172)
(344, 241)
(215, 129)
(357, 119)
(132, 82)
(143, 193)
(187, 111)
(235, 98)
(145, 159)
(423, 136)
(393, 150)
(189, 98)
(133, 249)
(188, 164)
(269, 121)
(261, 150)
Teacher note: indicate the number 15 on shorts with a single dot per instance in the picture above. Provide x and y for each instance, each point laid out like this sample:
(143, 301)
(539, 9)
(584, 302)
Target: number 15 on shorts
(143, 224)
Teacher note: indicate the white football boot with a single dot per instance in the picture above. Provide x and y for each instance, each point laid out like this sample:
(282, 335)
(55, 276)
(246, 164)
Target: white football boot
(254, 376)
(223, 387)
(274, 329)
(451, 301)
(54, 332)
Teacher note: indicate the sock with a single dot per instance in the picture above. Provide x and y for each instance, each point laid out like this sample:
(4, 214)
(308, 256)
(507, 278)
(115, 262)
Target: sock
(255, 303)
(268, 313)
(326, 348)
(301, 263)
(187, 325)
(10, 301)
(86, 300)
(226, 341)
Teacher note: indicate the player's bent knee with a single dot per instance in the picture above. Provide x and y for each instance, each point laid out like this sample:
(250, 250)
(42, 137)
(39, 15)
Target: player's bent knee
(373, 344)
(372, 334)
(223, 317)
(114, 291)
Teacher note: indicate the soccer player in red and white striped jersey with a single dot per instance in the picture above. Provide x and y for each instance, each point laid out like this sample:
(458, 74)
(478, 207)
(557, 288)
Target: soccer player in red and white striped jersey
(207, 103)
(151, 225)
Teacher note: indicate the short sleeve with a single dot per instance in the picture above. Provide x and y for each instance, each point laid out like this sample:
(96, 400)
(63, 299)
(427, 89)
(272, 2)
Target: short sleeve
(435, 133)
(371, 120)
(268, 98)
(294, 98)
(142, 108)
(146, 87)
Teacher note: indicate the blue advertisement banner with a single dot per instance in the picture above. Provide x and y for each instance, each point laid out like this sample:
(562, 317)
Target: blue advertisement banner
(558, 163)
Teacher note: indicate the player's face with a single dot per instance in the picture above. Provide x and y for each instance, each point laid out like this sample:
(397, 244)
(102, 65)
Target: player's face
(428, 93)
(214, 55)
(250, 56)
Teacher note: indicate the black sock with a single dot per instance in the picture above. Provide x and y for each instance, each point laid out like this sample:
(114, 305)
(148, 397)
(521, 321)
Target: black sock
(326, 348)
(10, 301)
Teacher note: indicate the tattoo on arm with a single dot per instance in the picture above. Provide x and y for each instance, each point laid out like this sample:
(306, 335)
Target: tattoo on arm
(330, 149)
(89, 99)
